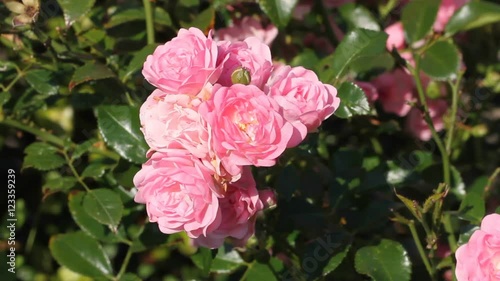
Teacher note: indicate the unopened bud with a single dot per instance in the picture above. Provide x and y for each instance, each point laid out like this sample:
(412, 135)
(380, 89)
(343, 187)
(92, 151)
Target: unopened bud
(241, 76)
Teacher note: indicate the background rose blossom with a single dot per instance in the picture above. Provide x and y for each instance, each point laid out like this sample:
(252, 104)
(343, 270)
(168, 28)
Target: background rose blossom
(446, 10)
(173, 122)
(238, 206)
(370, 90)
(250, 54)
(395, 90)
(306, 102)
(479, 259)
(415, 122)
(247, 128)
(179, 193)
(248, 27)
(396, 37)
(184, 64)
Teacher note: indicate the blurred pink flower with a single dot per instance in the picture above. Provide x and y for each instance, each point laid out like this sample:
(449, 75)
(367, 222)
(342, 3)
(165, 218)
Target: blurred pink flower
(305, 100)
(415, 122)
(369, 89)
(250, 54)
(395, 91)
(247, 127)
(479, 259)
(173, 122)
(248, 27)
(185, 64)
(238, 208)
(396, 37)
(179, 193)
(446, 10)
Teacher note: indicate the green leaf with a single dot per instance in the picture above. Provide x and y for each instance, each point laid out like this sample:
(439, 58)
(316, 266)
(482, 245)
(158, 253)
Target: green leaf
(96, 169)
(279, 11)
(357, 44)
(58, 184)
(418, 18)
(383, 61)
(412, 206)
(151, 237)
(74, 9)
(353, 101)
(336, 260)
(4, 97)
(119, 125)
(81, 254)
(89, 72)
(466, 233)
(82, 148)
(473, 14)
(42, 156)
(41, 80)
(137, 14)
(124, 173)
(358, 16)
(432, 200)
(387, 261)
(473, 206)
(138, 60)
(104, 205)
(225, 263)
(260, 271)
(203, 20)
(203, 260)
(87, 223)
(307, 59)
(130, 277)
(441, 61)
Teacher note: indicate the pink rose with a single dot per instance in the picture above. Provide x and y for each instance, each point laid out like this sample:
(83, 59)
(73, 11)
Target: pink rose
(184, 64)
(396, 37)
(479, 259)
(247, 127)
(248, 27)
(446, 10)
(173, 122)
(179, 193)
(415, 122)
(251, 54)
(370, 90)
(238, 209)
(306, 102)
(395, 90)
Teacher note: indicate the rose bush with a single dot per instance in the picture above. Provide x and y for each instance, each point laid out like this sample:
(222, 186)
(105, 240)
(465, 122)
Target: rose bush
(249, 140)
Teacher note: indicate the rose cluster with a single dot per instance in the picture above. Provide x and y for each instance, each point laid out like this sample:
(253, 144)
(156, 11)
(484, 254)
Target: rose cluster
(219, 108)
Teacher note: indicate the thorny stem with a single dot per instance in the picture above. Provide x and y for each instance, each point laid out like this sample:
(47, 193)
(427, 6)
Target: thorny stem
(148, 10)
(420, 249)
(125, 263)
(454, 106)
(415, 71)
(46, 136)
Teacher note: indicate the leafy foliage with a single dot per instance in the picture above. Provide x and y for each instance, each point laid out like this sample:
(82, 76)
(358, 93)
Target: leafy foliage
(356, 200)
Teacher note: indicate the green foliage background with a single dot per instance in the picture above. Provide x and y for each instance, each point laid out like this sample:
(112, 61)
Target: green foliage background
(358, 200)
